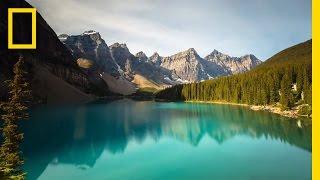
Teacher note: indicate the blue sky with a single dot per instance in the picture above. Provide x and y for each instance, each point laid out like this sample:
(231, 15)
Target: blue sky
(234, 27)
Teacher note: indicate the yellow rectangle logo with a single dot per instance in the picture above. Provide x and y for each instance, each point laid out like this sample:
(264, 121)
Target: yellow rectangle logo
(33, 12)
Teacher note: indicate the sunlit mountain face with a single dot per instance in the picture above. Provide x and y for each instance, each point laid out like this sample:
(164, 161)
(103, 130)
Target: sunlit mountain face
(95, 136)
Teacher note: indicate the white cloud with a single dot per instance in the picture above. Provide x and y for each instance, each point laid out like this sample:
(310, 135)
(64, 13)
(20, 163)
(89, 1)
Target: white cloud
(234, 27)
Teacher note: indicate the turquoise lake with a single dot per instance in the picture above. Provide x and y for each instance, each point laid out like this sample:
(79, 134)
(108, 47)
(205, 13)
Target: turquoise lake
(128, 139)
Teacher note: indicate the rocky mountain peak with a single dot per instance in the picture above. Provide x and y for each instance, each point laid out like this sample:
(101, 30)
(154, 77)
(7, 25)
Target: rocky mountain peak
(191, 51)
(90, 32)
(216, 55)
(119, 46)
(215, 51)
(233, 65)
(156, 59)
(141, 56)
(89, 47)
(155, 55)
(250, 56)
(122, 56)
(250, 61)
(186, 65)
(94, 35)
(63, 37)
(88, 38)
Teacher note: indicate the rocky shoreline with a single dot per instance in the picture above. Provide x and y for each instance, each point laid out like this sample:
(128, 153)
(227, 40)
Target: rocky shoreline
(292, 113)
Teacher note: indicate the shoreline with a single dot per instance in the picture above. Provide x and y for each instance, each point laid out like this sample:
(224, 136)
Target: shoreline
(293, 113)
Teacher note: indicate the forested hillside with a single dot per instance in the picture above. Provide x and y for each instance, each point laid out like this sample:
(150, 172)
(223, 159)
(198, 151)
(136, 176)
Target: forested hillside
(283, 79)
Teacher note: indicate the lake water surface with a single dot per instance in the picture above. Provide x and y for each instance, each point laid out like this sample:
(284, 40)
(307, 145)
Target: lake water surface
(150, 140)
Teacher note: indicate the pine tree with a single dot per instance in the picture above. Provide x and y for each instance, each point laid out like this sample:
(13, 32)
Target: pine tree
(286, 98)
(299, 83)
(15, 109)
(307, 90)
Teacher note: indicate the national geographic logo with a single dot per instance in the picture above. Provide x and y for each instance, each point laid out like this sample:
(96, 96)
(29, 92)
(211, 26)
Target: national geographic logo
(22, 11)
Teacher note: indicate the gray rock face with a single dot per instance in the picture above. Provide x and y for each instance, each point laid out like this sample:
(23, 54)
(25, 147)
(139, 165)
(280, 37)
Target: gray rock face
(139, 64)
(92, 47)
(233, 65)
(63, 37)
(186, 65)
(141, 56)
(156, 59)
(122, 57)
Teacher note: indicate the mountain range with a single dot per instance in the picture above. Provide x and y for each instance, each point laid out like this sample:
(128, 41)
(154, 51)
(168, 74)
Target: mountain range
(125, 72)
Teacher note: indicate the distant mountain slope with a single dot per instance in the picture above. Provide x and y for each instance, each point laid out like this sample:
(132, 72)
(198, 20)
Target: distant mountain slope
(187, 65)
(190, 67)
(132, 65)
(233, 65)
(51, 56)
(298, 54)
(285, 78)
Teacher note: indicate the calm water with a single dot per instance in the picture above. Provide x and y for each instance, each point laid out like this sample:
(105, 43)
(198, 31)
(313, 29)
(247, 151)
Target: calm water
(148, 140)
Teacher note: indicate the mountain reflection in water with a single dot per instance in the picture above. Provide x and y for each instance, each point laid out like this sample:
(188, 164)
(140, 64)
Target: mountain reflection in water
(54, 135)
